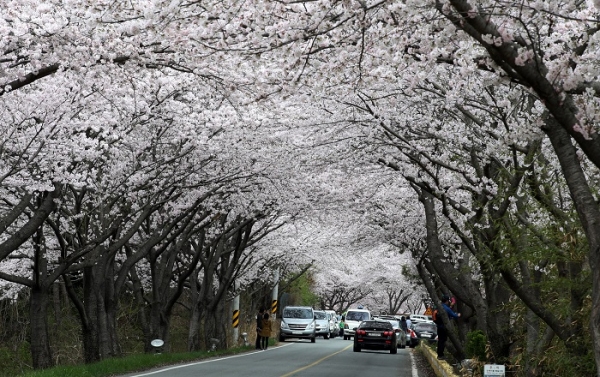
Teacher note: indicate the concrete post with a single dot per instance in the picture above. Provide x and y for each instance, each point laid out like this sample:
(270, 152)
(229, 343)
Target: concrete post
(275, 294)
(235, 320)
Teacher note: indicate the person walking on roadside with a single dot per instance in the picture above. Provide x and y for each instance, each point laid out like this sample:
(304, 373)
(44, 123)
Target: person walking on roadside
(259, 318)
(442, 331)
(265, 331)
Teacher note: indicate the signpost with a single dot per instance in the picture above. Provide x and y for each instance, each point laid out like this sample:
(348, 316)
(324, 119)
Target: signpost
(492, 370)
(428, 311)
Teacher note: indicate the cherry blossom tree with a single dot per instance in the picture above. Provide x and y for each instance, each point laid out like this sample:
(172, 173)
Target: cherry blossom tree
(461, 123)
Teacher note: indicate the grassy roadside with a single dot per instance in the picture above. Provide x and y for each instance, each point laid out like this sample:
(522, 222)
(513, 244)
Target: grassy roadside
(132, 363)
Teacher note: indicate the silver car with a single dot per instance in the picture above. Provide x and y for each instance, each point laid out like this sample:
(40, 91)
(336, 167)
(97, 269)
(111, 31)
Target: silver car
(297, 322)
(322, 324)
(334, 323)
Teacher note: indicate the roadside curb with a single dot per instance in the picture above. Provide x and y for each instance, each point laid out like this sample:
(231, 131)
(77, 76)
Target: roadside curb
(441, 368)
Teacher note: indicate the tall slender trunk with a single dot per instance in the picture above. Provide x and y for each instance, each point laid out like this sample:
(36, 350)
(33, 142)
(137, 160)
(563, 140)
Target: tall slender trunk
(111, 305)
(193, 343)
(41, 353)
(89, 325)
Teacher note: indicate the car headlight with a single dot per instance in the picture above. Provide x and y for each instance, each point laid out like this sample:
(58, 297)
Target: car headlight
(310, 326)
(284, 325)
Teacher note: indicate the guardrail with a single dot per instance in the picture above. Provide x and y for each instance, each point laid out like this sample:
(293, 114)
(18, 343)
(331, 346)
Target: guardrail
(441, 368)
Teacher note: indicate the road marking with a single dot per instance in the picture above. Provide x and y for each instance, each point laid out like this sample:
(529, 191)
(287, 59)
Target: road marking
(413, 364)
(315, 363)
(208, 361)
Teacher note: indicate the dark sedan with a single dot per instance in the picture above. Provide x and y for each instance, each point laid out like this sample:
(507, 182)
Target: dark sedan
(378, 335)
(423, 331)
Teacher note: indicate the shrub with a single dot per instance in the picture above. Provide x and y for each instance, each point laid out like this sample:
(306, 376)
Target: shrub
(476, 345)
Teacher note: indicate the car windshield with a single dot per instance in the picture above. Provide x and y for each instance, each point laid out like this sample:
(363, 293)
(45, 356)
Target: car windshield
(357, 316)
(320, 315)
(299, 313)
(425, 326)
(375, 325)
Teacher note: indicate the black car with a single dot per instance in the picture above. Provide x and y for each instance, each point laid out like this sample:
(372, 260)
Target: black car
(424, 331)
(375, 335)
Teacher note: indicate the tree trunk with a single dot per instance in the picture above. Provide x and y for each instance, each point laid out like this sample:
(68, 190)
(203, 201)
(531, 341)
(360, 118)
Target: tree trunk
(589, 214)
(193, 343)
(215, 326)
(89, 328)
(111, 304)
(41, 353)
(499, 323)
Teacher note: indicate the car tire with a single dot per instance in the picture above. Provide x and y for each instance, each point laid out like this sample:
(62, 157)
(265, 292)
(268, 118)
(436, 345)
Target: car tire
(313, 340)
(281, 338)
(326, 336)
(394, 351)
(356, 348)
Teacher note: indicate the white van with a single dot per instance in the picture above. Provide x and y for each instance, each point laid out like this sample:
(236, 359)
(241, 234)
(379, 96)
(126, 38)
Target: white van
(353, 318)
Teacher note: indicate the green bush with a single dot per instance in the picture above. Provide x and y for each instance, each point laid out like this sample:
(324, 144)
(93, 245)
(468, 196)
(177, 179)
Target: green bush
(476, 345)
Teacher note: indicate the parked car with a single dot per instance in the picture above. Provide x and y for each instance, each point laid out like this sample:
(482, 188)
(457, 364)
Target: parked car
(375, 334)
(417, 318)
(322, 324)
(400, 333)
(297, 322)
(411, 338)
(425, 331)
(334, 325)
(353, 318)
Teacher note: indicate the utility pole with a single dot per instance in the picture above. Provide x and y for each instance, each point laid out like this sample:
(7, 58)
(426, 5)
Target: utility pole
(275, 294)
(235, 319)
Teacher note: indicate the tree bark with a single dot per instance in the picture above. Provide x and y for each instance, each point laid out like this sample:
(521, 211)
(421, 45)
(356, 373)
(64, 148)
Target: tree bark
(41, 353)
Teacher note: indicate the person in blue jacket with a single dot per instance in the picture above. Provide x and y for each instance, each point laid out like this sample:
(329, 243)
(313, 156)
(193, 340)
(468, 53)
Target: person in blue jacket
(442, 331)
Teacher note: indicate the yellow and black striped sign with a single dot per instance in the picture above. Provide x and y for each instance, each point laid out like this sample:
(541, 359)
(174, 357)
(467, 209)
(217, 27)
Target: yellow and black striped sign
(236, 319)
(274, 307)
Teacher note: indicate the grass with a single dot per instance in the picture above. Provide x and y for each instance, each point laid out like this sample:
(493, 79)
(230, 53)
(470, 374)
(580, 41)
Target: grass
(132, 363)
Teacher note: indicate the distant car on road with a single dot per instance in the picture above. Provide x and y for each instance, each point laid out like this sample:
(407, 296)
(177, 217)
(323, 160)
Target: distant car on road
(375, 334)
(424, 331)
(297, 322)
(322, 324)
(334, 324)
(416, 318)
(353, 318)
(400, 333)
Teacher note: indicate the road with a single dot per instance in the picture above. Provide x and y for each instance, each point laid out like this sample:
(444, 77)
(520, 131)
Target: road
(331, 358)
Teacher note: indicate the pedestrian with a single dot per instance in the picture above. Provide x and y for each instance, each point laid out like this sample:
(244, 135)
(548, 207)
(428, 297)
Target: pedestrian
(408, 322)
(265, 331)
(342, 325)
(442, 331)
(404, 324)
(259, 318)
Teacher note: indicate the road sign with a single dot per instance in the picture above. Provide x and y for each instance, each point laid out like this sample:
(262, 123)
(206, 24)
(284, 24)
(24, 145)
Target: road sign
(428, 312)
(493, 370)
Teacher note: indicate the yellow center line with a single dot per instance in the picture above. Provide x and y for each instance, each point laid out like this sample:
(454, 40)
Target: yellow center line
(315, 363)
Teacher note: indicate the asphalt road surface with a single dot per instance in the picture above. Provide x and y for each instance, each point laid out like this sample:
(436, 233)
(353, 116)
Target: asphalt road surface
(331, 358)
